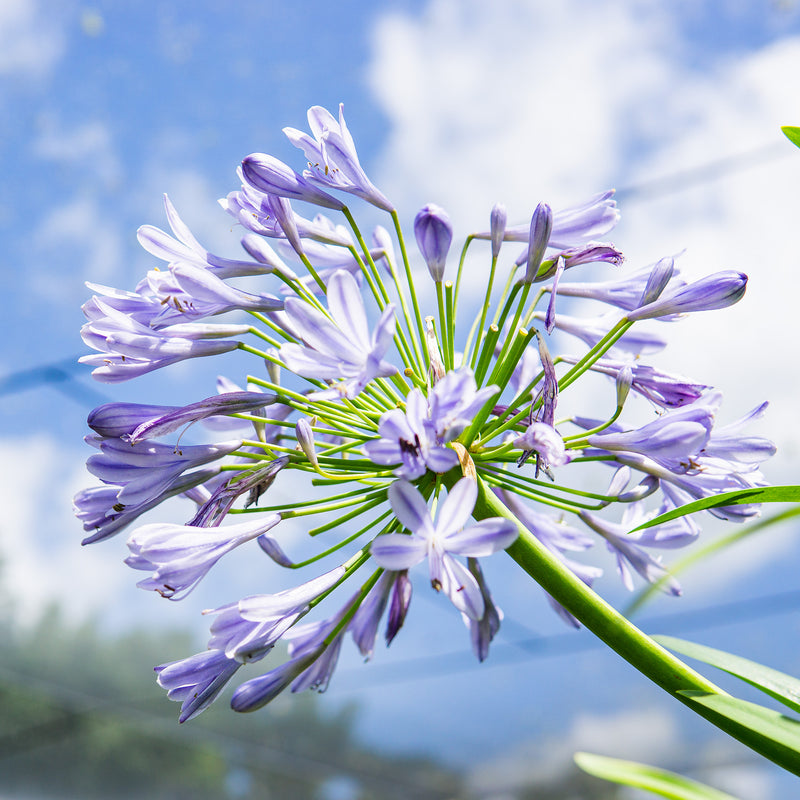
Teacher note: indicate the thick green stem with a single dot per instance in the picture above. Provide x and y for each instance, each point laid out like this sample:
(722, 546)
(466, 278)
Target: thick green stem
(638, 649)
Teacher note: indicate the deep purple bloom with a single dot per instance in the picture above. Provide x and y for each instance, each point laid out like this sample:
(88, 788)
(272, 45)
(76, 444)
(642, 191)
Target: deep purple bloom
(434, 233)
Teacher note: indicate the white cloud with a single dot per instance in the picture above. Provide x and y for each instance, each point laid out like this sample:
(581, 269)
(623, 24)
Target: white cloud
(39, 542)
(30, 41)
(88, 147)
(648, 735)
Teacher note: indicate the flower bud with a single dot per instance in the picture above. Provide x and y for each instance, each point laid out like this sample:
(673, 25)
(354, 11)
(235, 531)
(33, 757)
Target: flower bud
(624, 382)
(541, 227)
(498, 221)
(714, 291)
(434, 233)
(659, 277)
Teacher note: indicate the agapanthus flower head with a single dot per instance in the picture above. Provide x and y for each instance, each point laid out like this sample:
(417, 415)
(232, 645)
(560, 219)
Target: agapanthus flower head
(408, 430)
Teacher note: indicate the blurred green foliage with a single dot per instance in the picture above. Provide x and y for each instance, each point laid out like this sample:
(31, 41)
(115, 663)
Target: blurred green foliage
(81, 716)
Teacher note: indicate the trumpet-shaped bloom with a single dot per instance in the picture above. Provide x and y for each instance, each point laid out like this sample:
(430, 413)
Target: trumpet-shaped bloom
(332, 158)
(179, 556)
(339, 348)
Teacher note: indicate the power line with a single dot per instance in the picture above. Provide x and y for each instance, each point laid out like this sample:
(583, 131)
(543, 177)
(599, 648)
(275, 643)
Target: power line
(561, 644)
(58, 374)
(681, 180)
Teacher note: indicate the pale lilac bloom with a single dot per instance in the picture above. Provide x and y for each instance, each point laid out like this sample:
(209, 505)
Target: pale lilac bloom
(573, 225)
(740, 453)
(439, 541)
(625, 293)
(129, 349)
(196, 681)
(674, 440)
(182, 246)
(409, 438)
(454, 402)
(189, 292)
(592, 329)
(339, 348)
(247, 630)
(258, 212)
(630, 551)
(98, 509)
(332, 158)
(434, 233)
(180, 555)
(498, 220)
(146, 469)
(720, 290)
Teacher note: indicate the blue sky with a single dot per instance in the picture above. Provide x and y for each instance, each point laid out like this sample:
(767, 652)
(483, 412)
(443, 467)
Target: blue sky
(109, 105)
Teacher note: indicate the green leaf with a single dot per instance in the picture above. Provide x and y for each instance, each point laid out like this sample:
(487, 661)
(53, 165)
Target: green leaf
(762, 494)
(702, 553)
(784, 688)
(642, 776)
(777, 736)
(792, 134)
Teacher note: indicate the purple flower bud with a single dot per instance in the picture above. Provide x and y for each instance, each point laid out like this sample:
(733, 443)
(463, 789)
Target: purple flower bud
(229, 403)
(497, 219)
(271, 176)
(434, 233)
(398, 608)
(624, 382)
(657, 281)
(305, 438)
(541, 227)
(720, 290)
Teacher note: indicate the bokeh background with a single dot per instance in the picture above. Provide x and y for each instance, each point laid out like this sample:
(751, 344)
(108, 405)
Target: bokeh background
(106, 106)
